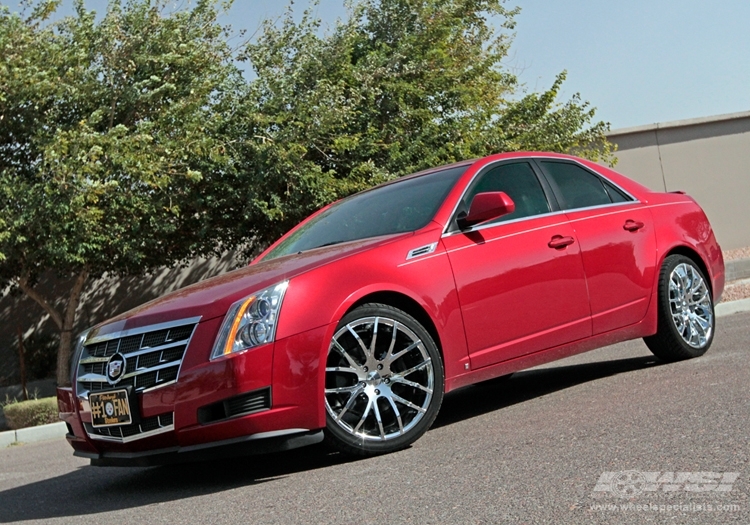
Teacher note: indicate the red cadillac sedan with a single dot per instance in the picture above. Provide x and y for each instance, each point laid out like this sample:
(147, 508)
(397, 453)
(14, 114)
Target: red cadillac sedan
(353, 325)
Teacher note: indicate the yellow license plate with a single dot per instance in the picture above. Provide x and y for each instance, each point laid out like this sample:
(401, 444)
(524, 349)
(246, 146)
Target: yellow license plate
(110, 409)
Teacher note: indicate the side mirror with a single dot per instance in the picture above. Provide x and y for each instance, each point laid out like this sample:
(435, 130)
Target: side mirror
(485, 207)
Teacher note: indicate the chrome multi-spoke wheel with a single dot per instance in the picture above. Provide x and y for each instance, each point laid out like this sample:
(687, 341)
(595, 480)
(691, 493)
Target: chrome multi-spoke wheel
(690, 305)
(383, 381)
(686, 312)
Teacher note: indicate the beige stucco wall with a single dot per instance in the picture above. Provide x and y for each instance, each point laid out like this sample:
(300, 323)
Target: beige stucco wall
(708, 158)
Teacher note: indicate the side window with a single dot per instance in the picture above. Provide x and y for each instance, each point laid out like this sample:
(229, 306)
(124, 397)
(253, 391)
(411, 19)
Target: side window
(519, 181)
(615, 194)
(580, 188)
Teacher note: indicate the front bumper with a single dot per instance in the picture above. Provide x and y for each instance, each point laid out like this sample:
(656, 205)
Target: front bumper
(262, 443)
(268, 398)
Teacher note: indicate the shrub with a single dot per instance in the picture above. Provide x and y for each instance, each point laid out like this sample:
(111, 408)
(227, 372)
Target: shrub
(31, 413)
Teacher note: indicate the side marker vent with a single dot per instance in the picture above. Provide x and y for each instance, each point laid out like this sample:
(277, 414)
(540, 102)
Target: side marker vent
(422, 250)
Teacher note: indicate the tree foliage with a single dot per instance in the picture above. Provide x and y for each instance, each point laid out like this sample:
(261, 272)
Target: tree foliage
(106, 127)
(132, 141)
(398, 86)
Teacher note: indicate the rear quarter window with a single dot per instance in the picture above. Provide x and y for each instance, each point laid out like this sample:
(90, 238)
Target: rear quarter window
(579, 188)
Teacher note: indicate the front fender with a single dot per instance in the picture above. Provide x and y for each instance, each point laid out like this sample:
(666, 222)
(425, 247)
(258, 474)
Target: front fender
(321, 297)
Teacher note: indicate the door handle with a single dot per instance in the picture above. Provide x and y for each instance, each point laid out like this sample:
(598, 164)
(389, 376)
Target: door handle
(558, 241)
(632, 226)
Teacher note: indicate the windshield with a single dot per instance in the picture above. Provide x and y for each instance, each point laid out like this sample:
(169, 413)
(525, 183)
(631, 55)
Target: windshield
(394, 208)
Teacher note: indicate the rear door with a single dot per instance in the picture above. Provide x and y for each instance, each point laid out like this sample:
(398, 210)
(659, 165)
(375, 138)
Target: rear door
(518, 293)
(617, 242)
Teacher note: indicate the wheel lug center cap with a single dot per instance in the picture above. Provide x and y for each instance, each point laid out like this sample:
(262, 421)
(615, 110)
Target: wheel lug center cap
(373, 378)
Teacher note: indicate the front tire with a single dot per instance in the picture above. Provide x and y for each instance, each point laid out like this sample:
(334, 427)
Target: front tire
(383, 381)
(686, 321)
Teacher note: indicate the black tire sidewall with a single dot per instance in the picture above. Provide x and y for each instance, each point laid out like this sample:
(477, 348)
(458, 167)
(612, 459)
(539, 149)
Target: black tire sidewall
(348, 443)
(667, 328)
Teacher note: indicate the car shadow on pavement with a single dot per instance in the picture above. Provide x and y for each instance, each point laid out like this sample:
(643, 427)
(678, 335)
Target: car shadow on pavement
(506, 391)
(94, 490)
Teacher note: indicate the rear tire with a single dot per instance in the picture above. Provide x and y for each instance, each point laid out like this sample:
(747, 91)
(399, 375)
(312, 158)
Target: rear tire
(383, 383)
(686, 320)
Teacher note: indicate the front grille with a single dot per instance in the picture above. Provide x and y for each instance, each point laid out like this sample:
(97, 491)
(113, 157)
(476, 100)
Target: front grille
(149, 425)
(153, 357)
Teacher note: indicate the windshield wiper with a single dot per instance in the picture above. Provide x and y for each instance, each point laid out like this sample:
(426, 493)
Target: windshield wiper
(329, 244)
(320, 246)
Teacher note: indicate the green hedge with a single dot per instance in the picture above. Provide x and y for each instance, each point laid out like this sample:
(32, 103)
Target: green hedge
(31, 413)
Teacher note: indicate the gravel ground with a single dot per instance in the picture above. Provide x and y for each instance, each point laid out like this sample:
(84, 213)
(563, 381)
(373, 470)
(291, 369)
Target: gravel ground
(739, 253)
(736, 289)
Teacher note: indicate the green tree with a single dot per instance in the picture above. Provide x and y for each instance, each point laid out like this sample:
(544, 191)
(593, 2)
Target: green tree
(133, 141)
(110, 134)
(398, 86)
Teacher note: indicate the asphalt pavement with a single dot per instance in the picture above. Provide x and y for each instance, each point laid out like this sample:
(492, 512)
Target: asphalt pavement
(611, 436)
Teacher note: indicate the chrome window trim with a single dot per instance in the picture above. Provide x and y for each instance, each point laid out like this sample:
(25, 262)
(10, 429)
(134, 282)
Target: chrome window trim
(481, 227)
(567, 221)
(140, 330)
(599, 206)
(573, 161)
(447, 233)
(550, 214)
(501, 237)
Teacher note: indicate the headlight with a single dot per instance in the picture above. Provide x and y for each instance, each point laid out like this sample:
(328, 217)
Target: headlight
(250, 321)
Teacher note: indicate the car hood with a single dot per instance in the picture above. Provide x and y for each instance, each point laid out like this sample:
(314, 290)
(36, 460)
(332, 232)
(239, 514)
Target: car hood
(212, 297)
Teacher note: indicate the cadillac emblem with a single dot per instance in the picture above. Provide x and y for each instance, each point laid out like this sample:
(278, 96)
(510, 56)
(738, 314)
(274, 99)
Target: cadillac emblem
(115, 368)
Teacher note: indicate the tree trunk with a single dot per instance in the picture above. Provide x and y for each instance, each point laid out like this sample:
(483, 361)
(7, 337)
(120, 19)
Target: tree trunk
(66, 333)
(22, 365)
(64, 323)
(63, 358)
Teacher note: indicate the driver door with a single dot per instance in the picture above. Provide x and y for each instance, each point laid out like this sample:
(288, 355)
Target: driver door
(519, 294)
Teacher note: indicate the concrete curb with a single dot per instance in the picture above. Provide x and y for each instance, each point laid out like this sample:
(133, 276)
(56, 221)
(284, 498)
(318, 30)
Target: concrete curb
(7, 438)
(33, 434)
(58, 430)
(737, 269)
(732, 307)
